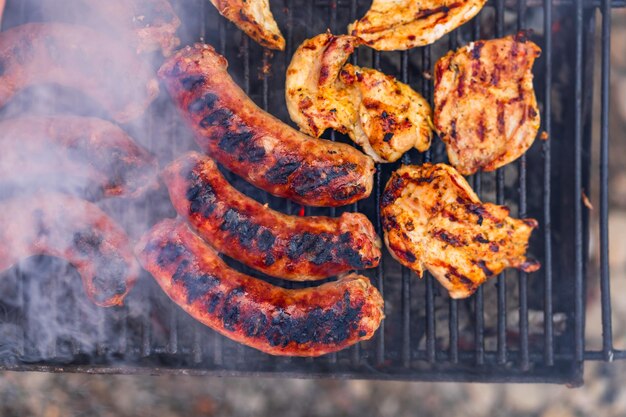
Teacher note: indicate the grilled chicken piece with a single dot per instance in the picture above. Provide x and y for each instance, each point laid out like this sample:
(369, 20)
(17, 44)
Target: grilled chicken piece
(384, 116)
(254, 144)
(255, 18)
(295, 322)
(148, 25)
(433, 220)
(391, 25)
(485, 106)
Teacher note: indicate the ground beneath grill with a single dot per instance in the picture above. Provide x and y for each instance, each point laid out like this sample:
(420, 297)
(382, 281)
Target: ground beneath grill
(53, 395)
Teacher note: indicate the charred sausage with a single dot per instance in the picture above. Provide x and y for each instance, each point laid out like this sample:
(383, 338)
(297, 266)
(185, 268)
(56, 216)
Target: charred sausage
(79, 155)
(75, 230)
(80, 58)
(304, 322)
(292, 247)
(254, 144)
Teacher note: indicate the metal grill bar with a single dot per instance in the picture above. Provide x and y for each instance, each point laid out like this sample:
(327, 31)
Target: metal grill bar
(605, 288)
(547, 170)
(523, 195)
(579, 334)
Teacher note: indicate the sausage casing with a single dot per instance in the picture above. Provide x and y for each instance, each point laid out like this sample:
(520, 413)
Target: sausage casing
(80, 58)
(75, 230)
(79, 155)
(292, 247)
(254, 144)
(303, 322)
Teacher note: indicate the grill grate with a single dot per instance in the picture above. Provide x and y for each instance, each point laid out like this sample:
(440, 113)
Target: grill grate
(427, 335)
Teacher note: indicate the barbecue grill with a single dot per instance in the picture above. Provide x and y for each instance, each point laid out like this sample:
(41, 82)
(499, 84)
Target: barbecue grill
(518, 327)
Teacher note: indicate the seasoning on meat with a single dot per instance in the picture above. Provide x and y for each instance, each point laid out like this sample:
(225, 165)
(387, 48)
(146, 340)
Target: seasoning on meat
(485, 106)
(384, 116)
(255, 18)
(433, 220)
(391, 25)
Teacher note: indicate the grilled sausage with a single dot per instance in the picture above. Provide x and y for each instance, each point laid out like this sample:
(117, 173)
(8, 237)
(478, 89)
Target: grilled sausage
(304, 322)
(73, 229)
(81, 155)
(291, 247)
(79, 58)
(148, 25)
(256, 145)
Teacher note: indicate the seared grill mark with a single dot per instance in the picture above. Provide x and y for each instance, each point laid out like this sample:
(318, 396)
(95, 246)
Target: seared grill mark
(254, 324)
(501, 121)
(481, 127)
(460, 88)
(423, 14)
(219, 117)
(453, 133)
(480, 239)
(309, 179)
(231, 309)
(266, 240)
(322, 248)
(87, 242)
(206, 102)
(240, 226)
(331, 326)
(347, 193)
(201, 198)
(478, 46)
(191, 82)
(243, 145)
(282, 170)
(482, 265)
(169, 253)
(448, 238)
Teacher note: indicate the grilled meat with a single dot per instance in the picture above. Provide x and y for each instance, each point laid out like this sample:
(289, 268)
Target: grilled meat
(79, 58)
(391, 25)
(83, 155)
(433, 220)
(255, 18)
(292, 247)
(384, 116)
(75, 230)
(256, 145)
(302, 322)
(148, 25)
(485, 106)
(2, 6)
